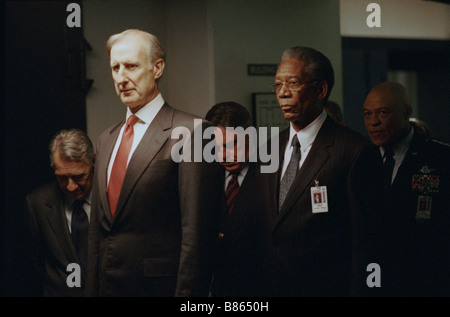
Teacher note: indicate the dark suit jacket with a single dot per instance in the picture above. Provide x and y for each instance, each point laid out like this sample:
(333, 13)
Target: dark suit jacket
(317, 254)
(161, 240)
(51, 245)
(239, 262)
(417, 252)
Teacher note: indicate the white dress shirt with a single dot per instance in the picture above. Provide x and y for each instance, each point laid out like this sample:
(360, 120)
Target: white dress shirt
(241, 176)
(399, 150)
(305, 137)
(146, 115)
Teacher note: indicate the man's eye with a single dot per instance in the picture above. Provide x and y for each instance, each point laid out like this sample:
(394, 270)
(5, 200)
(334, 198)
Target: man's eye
(294, 84)
(77, 178)
(62, 178)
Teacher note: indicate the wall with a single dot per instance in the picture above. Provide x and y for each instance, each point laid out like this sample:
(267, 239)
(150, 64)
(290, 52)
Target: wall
(189, 84)
(255, 31)
(406, 19)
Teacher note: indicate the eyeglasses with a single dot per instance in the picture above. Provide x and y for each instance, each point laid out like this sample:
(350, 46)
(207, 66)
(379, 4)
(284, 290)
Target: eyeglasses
(292, 86)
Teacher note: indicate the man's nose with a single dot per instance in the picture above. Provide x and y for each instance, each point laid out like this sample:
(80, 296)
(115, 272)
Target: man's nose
(284, 91)
(121, 76)
(71, 185)
(374, 119)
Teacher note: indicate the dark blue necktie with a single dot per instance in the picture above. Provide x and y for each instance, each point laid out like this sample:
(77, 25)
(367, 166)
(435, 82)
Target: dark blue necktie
(80, 230)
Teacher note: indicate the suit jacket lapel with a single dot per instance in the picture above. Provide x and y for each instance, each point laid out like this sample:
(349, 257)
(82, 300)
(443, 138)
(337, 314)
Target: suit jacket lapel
(57, 222)
(154, 138)
(102, 167)
(317, 157)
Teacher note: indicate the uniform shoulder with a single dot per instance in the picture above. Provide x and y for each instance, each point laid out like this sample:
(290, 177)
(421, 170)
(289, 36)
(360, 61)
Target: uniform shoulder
(439, 143)
(437, 148)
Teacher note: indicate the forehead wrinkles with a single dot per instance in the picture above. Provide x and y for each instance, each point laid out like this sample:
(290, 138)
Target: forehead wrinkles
(71, 168)
(128, 52)
(291, 68)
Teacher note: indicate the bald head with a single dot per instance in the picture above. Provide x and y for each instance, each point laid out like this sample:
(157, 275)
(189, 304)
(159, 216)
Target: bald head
(387, 110)
(394, 90)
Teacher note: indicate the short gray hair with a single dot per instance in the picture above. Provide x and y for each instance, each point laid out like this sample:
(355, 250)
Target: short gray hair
(317, 64)
(153, 47)
(73, 145)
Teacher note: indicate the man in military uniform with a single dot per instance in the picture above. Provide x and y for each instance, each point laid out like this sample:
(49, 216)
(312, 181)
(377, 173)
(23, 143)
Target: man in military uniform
(415, 228)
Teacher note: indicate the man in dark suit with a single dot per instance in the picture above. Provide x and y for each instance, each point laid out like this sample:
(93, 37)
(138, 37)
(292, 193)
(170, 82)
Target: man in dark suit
(238, 266)
(414, 236)
(317, 222)
(55, 241)
(153, 235)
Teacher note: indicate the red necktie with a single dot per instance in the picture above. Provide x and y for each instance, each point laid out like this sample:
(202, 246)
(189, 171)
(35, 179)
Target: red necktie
(231, 192)
(120, 164)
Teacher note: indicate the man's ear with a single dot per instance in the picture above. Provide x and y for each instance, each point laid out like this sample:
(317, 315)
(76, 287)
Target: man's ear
(158, 68)
(322, 89)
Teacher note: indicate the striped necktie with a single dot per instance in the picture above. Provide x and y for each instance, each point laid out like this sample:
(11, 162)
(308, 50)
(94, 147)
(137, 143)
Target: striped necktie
(231, 192)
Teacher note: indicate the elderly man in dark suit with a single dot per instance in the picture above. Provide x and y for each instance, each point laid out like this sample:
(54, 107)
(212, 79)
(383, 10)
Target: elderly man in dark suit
(154, 219)
(414, 237)
(325, 189)
(59, 214)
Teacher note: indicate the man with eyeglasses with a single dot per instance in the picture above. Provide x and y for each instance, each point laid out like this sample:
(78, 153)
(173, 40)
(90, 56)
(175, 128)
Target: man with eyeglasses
(324, 194)
(58, 215)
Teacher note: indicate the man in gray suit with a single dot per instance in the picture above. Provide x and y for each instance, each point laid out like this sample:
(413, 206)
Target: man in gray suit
(55, 242)
(154, 220)
(325, 191)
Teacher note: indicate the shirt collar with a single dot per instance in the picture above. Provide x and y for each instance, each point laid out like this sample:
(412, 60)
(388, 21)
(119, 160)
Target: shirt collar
(148, 112)
(401, 147)
(307, 135)
(242, 172)
(69, 201)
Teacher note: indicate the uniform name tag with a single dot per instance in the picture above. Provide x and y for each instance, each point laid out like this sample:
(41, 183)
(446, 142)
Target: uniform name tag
(319, 199)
